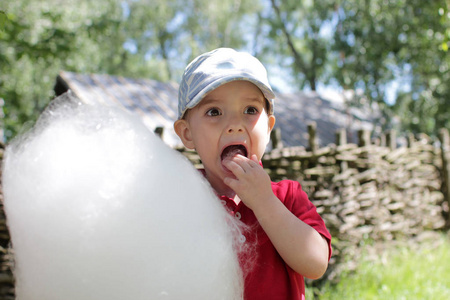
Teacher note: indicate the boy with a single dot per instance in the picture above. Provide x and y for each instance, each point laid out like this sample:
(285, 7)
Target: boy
(225, 113)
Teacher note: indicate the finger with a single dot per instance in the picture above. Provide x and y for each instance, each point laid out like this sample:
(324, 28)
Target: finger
(234, 166)
(255, 162)
(247, 163)
(231, 182)
(248, 166)
(238, 160)
(244, 162)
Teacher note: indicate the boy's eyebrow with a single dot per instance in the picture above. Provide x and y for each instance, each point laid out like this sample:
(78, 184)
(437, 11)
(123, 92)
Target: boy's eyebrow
(255, 99)
(208, 100)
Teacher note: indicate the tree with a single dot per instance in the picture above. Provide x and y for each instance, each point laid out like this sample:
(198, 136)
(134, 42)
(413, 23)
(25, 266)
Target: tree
(39, 39)
(426, 106)
(133, 38)
(381, 42)
(176, 31)
(297, 34)
(364, 45)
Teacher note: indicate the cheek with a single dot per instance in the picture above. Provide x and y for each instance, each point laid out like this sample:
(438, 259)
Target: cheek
(261, 133)
(204, 141)
(262, 129)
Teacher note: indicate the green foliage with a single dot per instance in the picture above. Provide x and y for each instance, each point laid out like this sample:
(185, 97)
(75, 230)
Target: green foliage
(40, 39)
(360, 45)
(133, 38)
(403, 273)
(297, 35)
(176, 31)
(369, 46)
(380, 41)
(3, 19)
(427, 106)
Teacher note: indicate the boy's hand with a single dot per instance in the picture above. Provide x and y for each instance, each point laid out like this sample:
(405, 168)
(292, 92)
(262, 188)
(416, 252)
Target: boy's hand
(252, 184)
(300, 245)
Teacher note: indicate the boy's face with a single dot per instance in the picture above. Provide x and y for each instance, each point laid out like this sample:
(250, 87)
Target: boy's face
(229, 120)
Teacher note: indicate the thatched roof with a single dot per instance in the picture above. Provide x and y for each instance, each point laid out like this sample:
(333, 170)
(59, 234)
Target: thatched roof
(156, 104)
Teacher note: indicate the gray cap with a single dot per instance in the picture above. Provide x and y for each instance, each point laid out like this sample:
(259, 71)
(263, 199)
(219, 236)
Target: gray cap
(213, 69)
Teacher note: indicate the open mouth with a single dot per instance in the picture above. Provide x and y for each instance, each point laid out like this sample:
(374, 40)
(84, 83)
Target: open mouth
(233, 150)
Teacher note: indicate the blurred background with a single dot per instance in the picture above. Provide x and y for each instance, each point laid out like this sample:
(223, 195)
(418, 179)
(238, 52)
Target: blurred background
(392, 53)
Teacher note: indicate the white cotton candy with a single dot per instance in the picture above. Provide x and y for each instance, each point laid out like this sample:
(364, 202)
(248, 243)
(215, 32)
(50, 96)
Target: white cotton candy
(100, 208)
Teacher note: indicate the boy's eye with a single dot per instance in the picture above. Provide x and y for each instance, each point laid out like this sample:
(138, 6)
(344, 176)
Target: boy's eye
(213, 112)
(251, 110)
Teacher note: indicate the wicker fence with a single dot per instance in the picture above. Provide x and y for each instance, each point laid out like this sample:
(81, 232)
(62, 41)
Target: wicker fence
(371, 192)
(6, 257)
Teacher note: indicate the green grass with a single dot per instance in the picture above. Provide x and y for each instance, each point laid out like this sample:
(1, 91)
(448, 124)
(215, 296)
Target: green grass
(402, 274)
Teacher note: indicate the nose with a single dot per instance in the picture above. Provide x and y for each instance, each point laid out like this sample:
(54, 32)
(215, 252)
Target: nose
(234, 129)
(235, 125)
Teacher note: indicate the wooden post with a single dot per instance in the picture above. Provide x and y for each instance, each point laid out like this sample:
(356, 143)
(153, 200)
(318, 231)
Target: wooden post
(383, 140)
(341, 139)
(411, 139)
(391, 139)
(364, 137)
(275, 136)
(312, 128)
(445, 153)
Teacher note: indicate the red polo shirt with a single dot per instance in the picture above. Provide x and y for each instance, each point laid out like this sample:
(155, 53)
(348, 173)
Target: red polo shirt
(270, 277)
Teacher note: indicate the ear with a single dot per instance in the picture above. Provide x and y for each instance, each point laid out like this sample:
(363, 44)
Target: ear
(271, 122)
(183, 131)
